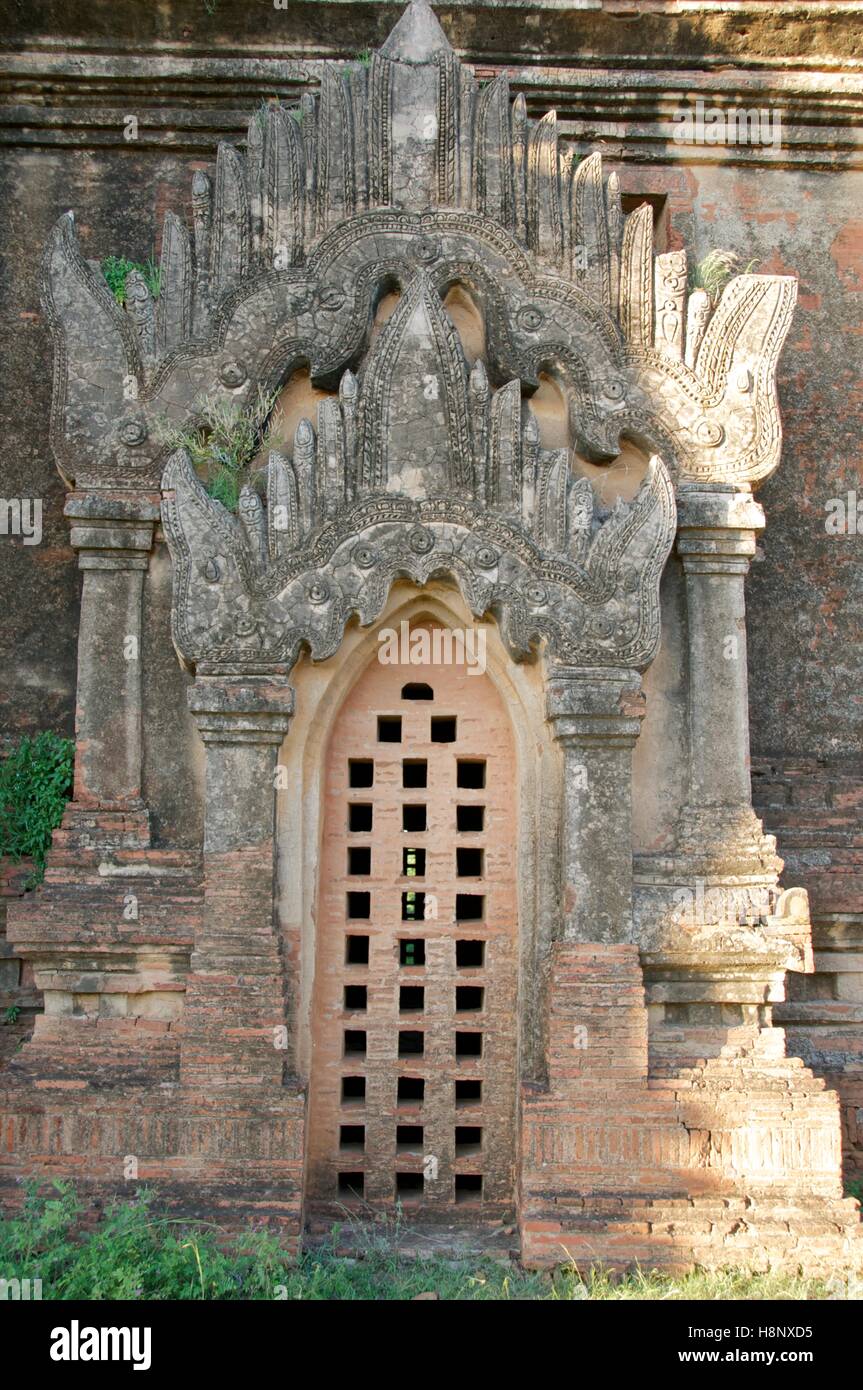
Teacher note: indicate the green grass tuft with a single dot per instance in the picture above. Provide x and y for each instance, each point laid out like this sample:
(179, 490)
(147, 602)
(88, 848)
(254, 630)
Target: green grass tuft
(136, 1253)
(224, 445)
(714, 272)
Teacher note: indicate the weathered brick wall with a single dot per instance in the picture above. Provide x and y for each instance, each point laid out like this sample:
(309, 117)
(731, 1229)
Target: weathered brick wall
(19, 999)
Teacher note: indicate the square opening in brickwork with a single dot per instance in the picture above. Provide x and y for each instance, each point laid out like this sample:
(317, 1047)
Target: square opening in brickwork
(412, 999)
(409, 1137)
(411, 1090)
(359, 859)
(443, 729)
(468, 1092)
(631, 202)
(469, 818)
(411, 1043)
(413, 862)
(468, 863)
(409, 1186)
(352, 1185)
(359, 905)
(468, 1187)
(470, 772)
(412, 951)
(413, 906)
(414, 818)
(469, 907)
(355, 1042)
(468, 1140)
(352, 1137)
(359, 816)
(415, 772)
(469, 955)
(468, 1044)
(361, 772)
(354, 1089)
(356, 997)
(417, 690)
(389, 728)
(468, 998)
(357, 950)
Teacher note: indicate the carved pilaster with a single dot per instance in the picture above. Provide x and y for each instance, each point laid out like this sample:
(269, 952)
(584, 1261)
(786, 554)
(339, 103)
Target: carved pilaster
(596, 715)
(235, 1001)
(705, 911)
(113, 534)
(717, 528)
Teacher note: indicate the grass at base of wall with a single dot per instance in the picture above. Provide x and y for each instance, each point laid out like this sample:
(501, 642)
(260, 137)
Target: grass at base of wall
(136, 1253)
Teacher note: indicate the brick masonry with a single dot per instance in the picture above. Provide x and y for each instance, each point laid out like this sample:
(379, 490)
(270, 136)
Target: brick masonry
(814, 808)
(730, 1163)
(461, 725)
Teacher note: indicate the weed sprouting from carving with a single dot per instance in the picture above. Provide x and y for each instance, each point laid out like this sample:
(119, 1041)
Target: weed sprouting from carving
(296, 113)
(225, 443)
(35, 784)
(714, 272)
(116, 269)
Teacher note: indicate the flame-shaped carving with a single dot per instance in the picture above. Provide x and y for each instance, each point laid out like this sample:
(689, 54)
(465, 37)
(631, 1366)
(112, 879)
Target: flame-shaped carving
(418, 468)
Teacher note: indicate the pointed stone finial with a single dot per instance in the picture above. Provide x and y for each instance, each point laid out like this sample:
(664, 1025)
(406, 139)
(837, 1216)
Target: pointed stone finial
(418, 37)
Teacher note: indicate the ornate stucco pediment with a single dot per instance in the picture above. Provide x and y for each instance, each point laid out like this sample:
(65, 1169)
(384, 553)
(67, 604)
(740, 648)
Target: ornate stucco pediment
(418, 469)
(408, 173)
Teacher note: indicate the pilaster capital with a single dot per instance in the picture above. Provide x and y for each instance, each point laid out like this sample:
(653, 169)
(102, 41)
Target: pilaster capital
(112, 530)
(231, 708)
(594, 706)
(716, 528)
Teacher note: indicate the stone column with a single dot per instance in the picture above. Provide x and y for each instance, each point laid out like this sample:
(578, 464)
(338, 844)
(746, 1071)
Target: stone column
(235, 1000)
(113, 534)
(596, 715)
(717, 527)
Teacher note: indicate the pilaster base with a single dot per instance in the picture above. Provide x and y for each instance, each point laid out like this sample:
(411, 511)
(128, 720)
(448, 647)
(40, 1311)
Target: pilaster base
(733, 1162)
(226, 1160)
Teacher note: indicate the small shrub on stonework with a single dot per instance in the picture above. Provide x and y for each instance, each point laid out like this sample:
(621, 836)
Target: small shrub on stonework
(35, 784)
(224, 445)
(116, 268)
(714, 272)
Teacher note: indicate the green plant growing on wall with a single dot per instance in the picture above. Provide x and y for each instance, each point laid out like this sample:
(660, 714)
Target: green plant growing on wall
(296, 113)
(364, 58)
(11, 1014)
(713, 273)
(225, 443)
(116, 268)
(35, 784)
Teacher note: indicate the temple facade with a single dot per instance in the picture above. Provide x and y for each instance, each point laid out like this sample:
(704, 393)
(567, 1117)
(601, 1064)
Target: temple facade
(412, 860)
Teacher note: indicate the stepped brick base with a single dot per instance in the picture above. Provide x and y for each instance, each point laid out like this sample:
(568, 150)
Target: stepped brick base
(734, 1162)
(814, 809)
(732, 1158)
(229, 1160)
